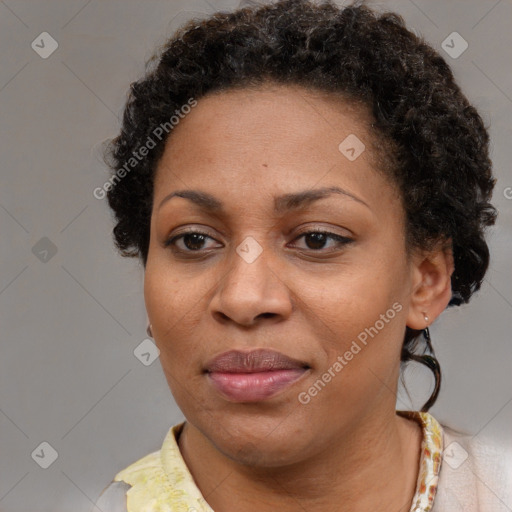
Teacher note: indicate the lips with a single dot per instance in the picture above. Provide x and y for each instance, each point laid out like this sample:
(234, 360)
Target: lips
(253, 376)
(261, 360)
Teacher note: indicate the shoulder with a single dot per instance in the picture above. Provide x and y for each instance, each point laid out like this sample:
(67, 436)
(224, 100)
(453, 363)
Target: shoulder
(157, 479)
(475, 474)
(112, 498)
(140, 470)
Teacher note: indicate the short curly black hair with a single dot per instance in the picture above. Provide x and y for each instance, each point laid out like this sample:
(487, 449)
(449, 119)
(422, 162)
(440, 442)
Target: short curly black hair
(439, 142)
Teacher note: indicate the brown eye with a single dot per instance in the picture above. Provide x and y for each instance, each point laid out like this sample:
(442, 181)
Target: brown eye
(317, 240)
(194, 241)
(191, 241)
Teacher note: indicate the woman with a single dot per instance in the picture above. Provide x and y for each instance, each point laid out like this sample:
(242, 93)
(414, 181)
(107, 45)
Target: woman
(308, 190)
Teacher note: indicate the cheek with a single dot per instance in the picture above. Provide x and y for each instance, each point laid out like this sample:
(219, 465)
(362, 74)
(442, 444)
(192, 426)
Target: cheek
(353, 296)
(177, 307)
(360, 313)
(169, 304)
(360, 336)
(170, 294)
(172, 305)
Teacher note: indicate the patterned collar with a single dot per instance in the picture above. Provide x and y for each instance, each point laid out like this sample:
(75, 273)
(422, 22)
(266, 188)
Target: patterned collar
(430, 460)
(161, 481)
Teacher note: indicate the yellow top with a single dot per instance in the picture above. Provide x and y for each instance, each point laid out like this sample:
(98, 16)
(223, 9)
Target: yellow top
(161, 481)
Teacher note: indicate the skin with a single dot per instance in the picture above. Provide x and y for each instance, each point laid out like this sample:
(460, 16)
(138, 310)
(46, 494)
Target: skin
(346, 449)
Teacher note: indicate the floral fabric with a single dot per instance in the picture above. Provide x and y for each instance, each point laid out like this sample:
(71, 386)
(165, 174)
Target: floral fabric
(430, 460)
(161, 481)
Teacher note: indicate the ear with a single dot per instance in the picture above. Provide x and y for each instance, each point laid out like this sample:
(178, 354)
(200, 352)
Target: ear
(431, 289)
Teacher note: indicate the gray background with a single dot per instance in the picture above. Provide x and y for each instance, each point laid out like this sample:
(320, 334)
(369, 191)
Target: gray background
(70, 321)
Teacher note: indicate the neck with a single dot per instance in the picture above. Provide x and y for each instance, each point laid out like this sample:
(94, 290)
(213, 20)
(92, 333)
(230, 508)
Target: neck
(374, 466)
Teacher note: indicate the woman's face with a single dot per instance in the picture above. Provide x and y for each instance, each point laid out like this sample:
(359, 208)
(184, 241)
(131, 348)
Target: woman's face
(262, 170)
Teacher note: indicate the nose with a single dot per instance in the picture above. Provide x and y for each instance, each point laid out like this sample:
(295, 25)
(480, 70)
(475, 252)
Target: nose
(250, 291)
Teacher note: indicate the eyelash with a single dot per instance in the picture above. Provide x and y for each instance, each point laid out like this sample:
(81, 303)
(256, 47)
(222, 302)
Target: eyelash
(342, 240)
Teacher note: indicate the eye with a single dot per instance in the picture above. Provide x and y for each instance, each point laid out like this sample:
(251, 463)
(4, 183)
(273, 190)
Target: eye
(317, 239)
(191, 241)
(194, 241)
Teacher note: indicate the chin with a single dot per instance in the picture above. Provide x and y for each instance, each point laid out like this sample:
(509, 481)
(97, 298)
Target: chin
(264, 454)
(258, 440)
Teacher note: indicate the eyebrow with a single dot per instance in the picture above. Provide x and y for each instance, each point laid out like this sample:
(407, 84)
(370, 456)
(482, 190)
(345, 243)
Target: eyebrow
(282, 203)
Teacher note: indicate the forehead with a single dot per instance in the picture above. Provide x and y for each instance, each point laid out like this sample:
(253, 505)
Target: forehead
(272, 137)
(273, 113)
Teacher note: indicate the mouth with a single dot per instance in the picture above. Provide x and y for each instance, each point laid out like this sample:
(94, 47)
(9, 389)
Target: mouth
(253, 376)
